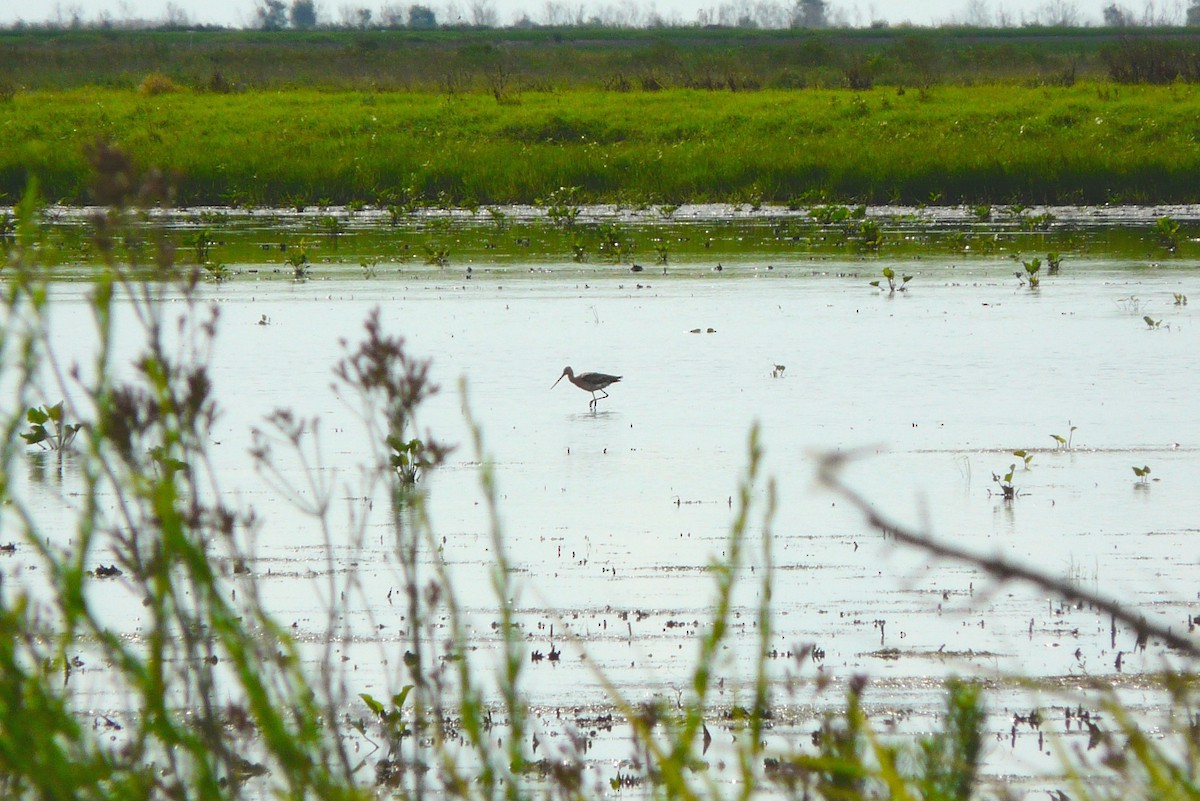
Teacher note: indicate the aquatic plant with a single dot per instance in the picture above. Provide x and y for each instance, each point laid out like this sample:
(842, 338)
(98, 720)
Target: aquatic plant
(332, 227)
(1064, 443)
(1036, 222)
(437, 254)
(297, 259)
(1167, 231)
(1053, 263)
(890, 276)
(868, 234)
(1032, 273)
(1008, 490)
(216, 272)
(1142, 473)
(202, 242)
(835, 214)
(562, 205)
(48, 428)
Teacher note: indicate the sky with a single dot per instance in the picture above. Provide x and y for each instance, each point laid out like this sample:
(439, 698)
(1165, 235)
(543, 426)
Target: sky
(240, 13)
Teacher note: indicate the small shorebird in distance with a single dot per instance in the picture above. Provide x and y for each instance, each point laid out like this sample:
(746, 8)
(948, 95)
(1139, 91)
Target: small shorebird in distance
(588, 382)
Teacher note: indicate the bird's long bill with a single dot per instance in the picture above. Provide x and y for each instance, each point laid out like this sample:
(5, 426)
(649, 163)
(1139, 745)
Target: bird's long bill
(555, 384)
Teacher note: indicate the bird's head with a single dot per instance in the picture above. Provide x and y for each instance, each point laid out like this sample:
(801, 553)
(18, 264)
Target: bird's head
(566, 373)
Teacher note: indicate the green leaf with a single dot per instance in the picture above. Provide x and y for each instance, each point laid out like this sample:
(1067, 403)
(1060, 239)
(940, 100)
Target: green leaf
(36, 415)
(371, 703)
(35, 435)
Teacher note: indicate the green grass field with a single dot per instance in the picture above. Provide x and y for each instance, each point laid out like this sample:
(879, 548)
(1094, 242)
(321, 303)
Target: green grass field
(1089, 143)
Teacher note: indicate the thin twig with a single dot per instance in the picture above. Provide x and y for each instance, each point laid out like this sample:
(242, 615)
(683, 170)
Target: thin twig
(999, 568)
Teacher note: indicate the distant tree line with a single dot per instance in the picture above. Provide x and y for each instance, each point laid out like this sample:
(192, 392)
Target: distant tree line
(277, 15)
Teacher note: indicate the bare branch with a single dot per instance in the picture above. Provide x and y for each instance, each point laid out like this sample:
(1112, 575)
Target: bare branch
(999, 568)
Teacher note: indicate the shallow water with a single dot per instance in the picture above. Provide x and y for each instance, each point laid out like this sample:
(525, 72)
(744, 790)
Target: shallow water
(611, 518)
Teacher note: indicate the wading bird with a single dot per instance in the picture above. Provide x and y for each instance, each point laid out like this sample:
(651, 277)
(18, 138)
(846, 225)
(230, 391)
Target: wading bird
(588, 382)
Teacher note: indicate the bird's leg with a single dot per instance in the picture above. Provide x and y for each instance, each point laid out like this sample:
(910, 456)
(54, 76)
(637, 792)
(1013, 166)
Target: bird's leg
(603, 395)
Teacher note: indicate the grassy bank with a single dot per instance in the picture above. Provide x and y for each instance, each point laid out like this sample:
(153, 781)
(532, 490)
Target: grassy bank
(1000, 144)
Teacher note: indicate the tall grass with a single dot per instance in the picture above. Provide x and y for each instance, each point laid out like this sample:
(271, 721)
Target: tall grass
(218, 703)
(999, 144)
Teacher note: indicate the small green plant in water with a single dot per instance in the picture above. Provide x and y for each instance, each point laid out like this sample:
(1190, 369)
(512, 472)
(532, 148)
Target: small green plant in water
(890, 275)
(1167, 231)
(435, 254)
(332, 227)
(47, 429)
(1053, 263)
(1008, 490)
(613, 242)
(837, 215)
(1032, 273)
(1025, 456)
(202, 242)
(1151, 323)
(1142, 473)
(1180, 299)
(1064, 443)
(410, 459)
(216, 272)
(297, 259)
(368, 266)
(499, 218)
(562, 206)
(869, 234)
(392, 720)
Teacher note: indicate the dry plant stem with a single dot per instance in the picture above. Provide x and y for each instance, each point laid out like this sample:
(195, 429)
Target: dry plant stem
(997, 567)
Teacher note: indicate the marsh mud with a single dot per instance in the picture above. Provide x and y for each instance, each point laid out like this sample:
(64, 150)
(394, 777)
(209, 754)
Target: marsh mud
(611, 519)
